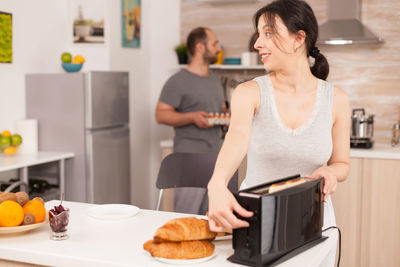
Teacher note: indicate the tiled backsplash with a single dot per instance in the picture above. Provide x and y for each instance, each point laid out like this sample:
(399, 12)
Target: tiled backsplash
(370, 74)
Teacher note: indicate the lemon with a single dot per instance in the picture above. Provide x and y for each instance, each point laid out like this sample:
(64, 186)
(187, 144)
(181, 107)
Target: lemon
(78, 59)
(66, 57)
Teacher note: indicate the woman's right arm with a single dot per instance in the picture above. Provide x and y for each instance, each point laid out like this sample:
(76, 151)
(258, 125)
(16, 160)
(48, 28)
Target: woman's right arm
(222, 203)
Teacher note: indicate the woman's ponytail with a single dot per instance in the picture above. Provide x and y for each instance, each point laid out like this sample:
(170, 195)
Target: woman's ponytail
(320, 69)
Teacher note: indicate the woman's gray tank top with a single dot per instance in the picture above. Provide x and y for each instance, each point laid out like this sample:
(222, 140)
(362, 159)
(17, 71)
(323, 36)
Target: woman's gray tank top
(277, 151)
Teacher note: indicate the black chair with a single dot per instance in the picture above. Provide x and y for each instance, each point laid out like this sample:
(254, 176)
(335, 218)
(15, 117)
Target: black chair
(188, 170)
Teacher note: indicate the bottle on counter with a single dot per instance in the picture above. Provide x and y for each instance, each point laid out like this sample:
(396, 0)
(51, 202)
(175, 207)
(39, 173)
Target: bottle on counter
(396, 134)
(220, 56)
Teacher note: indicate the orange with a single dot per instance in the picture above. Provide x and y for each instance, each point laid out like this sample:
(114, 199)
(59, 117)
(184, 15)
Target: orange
(35, 207)
(78, 59)
(6, 133)
(11, 150)
(11, 214)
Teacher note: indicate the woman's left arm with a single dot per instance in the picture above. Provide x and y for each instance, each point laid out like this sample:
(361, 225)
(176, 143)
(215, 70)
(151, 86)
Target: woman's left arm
(337, 168)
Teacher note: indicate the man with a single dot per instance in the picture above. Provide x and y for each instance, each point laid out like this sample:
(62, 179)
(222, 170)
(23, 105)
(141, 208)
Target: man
(192, 93)
(186, 100)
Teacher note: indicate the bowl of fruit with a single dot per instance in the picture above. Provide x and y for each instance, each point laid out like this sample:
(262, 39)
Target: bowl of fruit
(9, 143)
(19, 214)
(70, 64)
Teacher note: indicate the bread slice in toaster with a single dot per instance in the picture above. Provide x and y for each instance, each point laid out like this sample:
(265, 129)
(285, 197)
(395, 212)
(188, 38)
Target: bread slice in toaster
(280, 186)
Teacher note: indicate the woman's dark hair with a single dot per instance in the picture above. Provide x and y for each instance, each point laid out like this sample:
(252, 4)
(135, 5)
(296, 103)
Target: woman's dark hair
(296, 15)
(197, 35)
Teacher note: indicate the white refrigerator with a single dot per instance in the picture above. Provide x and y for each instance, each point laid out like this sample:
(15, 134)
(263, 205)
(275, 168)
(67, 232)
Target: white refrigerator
(88, 114)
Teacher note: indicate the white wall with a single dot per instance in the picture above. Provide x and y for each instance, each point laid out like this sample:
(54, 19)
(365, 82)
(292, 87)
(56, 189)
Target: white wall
(38, 39)
(42, 31)
(150, 66)
(163, 64)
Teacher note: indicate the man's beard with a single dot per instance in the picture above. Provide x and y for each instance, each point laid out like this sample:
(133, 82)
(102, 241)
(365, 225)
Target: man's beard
(209, 58)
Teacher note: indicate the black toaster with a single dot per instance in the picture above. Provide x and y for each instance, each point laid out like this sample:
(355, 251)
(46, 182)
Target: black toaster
(285, 222)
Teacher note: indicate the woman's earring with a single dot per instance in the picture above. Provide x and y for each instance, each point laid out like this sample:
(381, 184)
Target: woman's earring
(295, 49)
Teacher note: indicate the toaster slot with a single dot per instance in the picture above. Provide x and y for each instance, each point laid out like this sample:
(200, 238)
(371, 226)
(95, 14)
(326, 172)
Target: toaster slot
(277, 186)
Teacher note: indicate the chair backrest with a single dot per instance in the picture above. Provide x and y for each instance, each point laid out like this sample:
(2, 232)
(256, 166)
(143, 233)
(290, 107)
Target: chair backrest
(189, 170)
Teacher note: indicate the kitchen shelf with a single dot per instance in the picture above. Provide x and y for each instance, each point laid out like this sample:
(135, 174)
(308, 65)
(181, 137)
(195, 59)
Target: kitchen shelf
(237, 67)
(230, 67)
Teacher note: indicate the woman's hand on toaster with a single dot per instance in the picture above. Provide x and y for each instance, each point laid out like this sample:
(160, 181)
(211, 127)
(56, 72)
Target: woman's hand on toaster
(329, 182)
(222, 203)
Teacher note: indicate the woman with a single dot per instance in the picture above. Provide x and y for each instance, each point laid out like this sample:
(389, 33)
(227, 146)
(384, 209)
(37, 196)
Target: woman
(289, 121)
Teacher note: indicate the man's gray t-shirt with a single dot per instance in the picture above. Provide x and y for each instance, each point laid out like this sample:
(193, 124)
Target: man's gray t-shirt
(188, 92)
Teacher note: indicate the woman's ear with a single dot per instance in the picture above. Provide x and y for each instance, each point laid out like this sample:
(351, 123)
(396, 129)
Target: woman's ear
(299, 39)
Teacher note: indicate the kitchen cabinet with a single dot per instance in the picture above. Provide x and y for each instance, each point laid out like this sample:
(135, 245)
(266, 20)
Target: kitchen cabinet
(368, 213)
(347, 204)
(380, 217)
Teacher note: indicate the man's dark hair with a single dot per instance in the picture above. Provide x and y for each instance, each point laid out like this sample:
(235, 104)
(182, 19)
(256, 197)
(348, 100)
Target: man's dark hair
(196, 36)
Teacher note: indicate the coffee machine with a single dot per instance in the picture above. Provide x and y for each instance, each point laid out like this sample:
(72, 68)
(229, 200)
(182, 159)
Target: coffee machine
(362, 129)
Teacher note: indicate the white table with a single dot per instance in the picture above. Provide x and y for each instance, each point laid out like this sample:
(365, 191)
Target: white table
(22, 162)
(96, 242)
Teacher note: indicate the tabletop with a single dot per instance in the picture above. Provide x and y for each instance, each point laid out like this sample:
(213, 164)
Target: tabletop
(96, 242)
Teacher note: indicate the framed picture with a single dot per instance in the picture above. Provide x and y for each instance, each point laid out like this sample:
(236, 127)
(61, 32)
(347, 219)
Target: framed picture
(5, 37)
(130, 23)
(88, 21)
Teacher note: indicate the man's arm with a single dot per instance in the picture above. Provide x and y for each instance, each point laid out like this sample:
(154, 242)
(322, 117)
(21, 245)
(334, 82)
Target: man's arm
(166, 114)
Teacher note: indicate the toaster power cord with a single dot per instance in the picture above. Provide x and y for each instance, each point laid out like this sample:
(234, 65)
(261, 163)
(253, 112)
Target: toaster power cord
(340, 241)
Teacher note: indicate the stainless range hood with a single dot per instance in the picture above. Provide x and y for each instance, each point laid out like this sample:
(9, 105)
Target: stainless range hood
(343, 25)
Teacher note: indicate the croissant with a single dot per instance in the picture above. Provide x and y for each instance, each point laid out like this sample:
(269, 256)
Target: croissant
(180, 250)
(184, 229)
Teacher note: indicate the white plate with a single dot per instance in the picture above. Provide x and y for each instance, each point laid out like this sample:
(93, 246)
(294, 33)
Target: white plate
(113, 211)
(225, 237)
(23, 228)
(184, 262)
